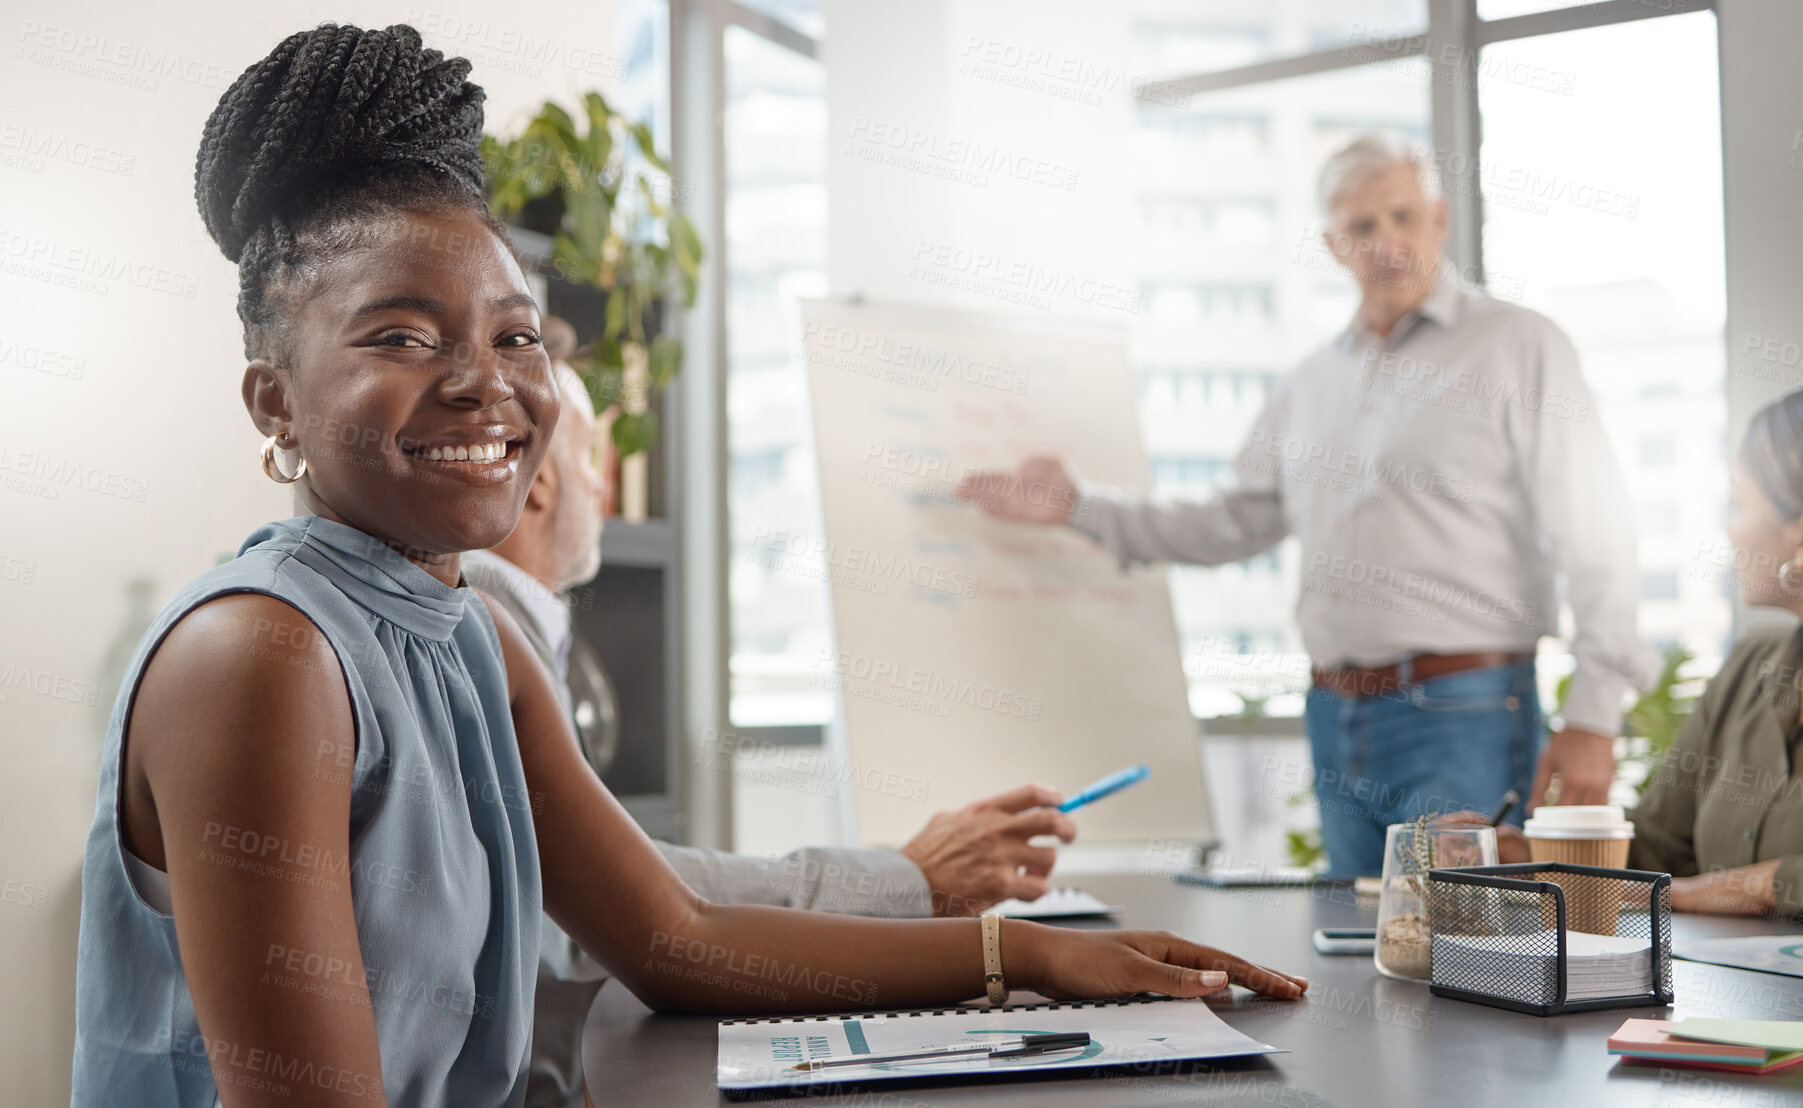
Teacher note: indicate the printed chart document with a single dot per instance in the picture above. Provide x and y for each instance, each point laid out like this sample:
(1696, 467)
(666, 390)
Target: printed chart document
(1766, 953)
(762, 1053)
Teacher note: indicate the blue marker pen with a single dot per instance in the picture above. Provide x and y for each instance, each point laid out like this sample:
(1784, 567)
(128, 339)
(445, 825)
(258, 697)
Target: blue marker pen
(1113, 783)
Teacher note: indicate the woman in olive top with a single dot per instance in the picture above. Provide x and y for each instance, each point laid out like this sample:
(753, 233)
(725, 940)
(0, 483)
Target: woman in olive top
(1723, 813)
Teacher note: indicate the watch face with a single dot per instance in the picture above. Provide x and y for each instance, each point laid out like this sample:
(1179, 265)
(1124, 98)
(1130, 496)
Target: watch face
(593, 708)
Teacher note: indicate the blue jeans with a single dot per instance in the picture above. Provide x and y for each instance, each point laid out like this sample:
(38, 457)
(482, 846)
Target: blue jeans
(1452, 742)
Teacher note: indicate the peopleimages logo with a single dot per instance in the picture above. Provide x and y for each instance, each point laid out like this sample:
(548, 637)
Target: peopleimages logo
(1406, 375)
(866, 561)
(1437, 596)
(935, 363)
(28, 142)
(936, 152)
(1313, 460)
(1037, 69)
(1023, 277)
(934, 686)
(80, 267)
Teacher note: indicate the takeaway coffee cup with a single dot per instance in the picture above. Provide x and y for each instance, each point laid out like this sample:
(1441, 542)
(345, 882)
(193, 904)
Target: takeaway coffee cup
(1583, 835)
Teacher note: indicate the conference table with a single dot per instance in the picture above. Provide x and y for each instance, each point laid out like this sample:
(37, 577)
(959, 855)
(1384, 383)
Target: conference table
(1357, 1039)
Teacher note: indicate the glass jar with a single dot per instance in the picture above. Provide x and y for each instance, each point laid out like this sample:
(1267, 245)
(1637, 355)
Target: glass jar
(1405, 943)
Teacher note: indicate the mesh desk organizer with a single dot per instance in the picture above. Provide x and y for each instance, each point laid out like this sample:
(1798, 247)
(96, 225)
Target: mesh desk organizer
(1500, 932)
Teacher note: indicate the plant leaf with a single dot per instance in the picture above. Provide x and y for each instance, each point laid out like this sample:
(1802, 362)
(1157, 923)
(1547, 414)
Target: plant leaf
(616, 314)
(598, 147)
(648, 146)
(604, 386)
(665, 359)
(634, 431)
(571, 262)
(686, 243)
(558, 122)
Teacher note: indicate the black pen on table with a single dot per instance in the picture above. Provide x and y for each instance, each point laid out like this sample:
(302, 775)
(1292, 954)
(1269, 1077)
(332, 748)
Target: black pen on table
(1508, 802)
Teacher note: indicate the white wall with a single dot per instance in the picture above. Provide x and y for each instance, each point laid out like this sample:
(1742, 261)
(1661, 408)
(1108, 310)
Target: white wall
(101, 107)
(925, 83)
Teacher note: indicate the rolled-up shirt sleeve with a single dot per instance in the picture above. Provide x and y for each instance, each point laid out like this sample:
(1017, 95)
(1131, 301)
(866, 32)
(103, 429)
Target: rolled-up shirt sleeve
(847, 881)
(1787, 887)
(1237, 522)
(1586, 524)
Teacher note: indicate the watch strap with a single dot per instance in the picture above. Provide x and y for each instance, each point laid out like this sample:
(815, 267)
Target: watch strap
(992, 959)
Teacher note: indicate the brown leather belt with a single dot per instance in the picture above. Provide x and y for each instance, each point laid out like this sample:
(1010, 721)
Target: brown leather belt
(1377, 680)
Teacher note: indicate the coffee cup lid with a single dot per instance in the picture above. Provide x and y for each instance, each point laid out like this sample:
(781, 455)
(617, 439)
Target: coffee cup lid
(1578, 821)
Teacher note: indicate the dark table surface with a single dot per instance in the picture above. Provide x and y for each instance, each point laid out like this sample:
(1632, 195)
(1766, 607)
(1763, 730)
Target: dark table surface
(1358, 1038)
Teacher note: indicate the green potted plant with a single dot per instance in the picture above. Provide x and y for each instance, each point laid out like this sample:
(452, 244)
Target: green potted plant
(602, 191)
(1656, 718)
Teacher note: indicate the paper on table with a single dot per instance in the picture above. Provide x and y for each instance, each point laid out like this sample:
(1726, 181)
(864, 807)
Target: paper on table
(1595, 965)
(1767, 953)
(1056, 903)
(761, 1053)
(1770, 1034)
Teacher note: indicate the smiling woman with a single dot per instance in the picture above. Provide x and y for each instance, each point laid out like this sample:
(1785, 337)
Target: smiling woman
(337, 785)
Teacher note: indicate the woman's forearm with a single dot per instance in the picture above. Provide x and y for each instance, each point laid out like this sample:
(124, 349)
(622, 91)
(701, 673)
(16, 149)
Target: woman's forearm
(759, 959)
(606, 884)
(1741, 891)
(755, 959)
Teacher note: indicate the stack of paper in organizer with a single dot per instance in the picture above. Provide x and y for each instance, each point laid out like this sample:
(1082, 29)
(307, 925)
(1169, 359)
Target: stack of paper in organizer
(1735, 1046)
(1595, 965)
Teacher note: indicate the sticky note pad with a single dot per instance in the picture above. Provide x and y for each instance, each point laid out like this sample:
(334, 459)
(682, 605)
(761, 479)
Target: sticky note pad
(1771, 1034)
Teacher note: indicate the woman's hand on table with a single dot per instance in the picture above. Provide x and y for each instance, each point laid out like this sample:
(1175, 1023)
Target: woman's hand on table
(1511, 844)
(1066, 964)
(1741, 891)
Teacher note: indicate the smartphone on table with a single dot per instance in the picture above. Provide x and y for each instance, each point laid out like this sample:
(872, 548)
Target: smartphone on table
(1346, 940)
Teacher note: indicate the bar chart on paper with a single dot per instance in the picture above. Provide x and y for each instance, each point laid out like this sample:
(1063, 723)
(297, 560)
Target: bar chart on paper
(765, 1053)
(973, 654)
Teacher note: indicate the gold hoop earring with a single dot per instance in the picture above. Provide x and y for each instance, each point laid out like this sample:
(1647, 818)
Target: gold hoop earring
(1790, 575)
(274, 468)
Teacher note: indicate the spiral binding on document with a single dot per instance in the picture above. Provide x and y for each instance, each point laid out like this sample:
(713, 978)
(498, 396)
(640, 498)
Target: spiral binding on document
(956, 1010)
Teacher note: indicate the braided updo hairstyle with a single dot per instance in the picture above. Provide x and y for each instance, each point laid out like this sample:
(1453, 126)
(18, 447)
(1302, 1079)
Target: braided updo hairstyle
(312, 146)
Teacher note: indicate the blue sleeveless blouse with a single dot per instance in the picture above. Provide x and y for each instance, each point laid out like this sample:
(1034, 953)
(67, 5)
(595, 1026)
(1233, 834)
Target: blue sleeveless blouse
(442, 869)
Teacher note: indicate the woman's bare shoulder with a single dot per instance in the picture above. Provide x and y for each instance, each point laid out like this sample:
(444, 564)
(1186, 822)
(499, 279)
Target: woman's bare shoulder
(235, 663)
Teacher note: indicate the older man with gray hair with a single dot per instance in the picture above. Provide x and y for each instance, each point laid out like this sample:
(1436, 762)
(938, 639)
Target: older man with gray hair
(961, 863)
(1444, 468)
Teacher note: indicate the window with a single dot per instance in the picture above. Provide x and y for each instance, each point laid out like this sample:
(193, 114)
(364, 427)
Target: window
(1233, 33)
(1659, 518)
(1504, 9)
(1163, 48)
(644, 27)
(1206, 134)
(1273, 300)
(776, 252)
(1250, 219)
(1188, 476)
(1658, 450)
(803, 15)
(759, 469)
(1600, 205)
(1603, 208)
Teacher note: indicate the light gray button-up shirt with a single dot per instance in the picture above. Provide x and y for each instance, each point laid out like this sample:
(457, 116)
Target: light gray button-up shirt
(846, 880)
(1441, 480)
